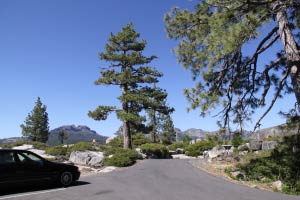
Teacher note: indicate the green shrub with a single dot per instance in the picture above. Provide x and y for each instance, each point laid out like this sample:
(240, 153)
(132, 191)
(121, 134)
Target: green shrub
(116, 142)
(39, 145)
(186, 139)
(103, 148)
(6, 146)
(177, 145)
(198, 148)
(122, 158)
(237, 140)
(137, 140)
(282, 163)
(14, 144)
(244, 148)
(56, 151)
(113, 150)
(82, 146)
(155, 150)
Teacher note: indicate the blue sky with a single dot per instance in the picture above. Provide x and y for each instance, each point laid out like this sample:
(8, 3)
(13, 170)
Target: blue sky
(50, 49)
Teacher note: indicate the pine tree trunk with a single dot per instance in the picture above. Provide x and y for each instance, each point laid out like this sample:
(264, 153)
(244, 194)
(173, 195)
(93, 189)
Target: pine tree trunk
(153, 132)
(291, 50)
(126, 135)
(125, 128)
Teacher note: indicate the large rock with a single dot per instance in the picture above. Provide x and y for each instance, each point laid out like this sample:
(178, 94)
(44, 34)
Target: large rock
(108, 140)
(182, 156)
(141, 153)
(255, 145)
(216, 151)
(179, 151)
(277, 185)
(268, 145)
(90, 158)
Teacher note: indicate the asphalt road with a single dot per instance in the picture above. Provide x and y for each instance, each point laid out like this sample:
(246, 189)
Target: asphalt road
(151, 180)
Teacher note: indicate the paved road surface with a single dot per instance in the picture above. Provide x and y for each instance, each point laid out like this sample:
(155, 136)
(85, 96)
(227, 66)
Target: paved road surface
(152, 180)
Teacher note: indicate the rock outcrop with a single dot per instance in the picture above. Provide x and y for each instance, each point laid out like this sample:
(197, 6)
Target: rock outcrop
(89, 158)
(255, 145)
(269, 145)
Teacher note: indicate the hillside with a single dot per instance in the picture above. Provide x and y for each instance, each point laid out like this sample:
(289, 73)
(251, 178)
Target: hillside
(10, 140)
(75, 134)
(193, 133)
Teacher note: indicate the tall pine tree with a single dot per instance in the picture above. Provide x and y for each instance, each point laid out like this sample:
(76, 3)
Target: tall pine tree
(129, 71)
(157, 113)
(168, 133)
(36, 126)
(213, 38)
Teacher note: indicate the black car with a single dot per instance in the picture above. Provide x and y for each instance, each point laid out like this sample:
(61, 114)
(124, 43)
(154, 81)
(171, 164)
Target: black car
(25, 167)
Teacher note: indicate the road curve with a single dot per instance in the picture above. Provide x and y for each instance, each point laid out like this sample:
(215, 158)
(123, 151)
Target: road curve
(154, 180)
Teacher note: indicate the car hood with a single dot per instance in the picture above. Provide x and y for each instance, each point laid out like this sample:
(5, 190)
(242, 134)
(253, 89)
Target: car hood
(63, 165)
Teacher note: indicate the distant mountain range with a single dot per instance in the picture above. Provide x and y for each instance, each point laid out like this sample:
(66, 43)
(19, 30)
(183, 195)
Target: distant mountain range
(194, 133)
(84, 133)
(74, 134)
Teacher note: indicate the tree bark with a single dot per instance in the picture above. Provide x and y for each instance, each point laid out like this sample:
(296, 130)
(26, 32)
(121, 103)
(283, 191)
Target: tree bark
(126, 135)
(153, 132)
(290, 47)
(125, 127)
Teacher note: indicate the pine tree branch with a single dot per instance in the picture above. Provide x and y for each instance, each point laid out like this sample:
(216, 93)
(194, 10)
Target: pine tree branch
(280, 86)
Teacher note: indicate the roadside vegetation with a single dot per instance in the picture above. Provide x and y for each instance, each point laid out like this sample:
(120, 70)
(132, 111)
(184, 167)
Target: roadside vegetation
(213, 50)
(280, 164)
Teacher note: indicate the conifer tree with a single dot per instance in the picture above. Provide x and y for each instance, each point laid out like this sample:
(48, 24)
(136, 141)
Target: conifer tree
(157, 114)
(62, 135)
(168, 134)
(36, 126)
(213, 38)
(128, 69)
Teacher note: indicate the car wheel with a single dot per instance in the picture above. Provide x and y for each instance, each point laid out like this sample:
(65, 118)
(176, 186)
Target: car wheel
(66, 179)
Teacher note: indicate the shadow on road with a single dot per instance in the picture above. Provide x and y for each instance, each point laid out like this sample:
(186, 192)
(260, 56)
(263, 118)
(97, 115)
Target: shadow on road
(34, 188)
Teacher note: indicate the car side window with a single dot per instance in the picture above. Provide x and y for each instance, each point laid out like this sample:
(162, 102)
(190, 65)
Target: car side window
(26, 157)
(7, 158)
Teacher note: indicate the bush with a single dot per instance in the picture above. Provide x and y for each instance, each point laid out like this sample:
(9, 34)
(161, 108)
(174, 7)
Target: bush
(36, 145)
(116, 142)
(186, 139)
(14, 144)
(122, 158)
(283, 163)
(39, 145)
(56, 151)
(237, 140)
(137, 140)
(82, 146)
(113, 150)
(155, 150)
(177, 145)
(197, 148)
(244, 148)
